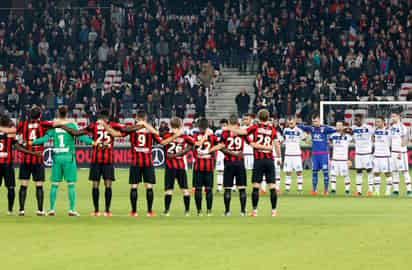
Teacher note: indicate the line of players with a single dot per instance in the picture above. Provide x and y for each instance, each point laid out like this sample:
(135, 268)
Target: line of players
(204, 144)
(390, 155)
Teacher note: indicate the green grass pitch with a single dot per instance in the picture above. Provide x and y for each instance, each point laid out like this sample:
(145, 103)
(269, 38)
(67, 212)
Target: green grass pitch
(309, 233)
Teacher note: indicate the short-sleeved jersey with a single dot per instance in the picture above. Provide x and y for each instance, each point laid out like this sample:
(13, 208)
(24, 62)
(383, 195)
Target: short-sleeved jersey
(362, 135)
(63, 142)
(6, 149)
(235, 143)
(319, 138)
(263, 134)
(102, 155)
(141, 142)
(340, 146)
(291, 139)
(174, 147)
(203, 160)
(382, 143)
(28, 131)
(398, 133)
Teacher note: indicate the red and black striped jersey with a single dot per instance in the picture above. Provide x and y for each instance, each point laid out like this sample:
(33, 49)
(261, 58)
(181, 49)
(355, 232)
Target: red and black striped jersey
(28, 131)
(235, 143)
(100, 135)
(263, 134)
(174, 147)
(203, 160)
(141, 142)
(6, 148)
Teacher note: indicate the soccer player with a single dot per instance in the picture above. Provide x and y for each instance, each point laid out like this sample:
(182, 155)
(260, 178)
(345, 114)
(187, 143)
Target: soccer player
(7, 141)
(175, 165)
(264, 137)
(247, 149)
(276, 157)
(320, 152)
(399, 155)
(292, 136)
(220, 157)
(234, 165)
(362, 135)
(64, 160)
(382, 155)
(102, 158)
(340, 159)
(204, 166)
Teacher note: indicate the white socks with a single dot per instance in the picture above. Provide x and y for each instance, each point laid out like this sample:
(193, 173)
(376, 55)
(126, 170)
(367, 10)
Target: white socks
(347, 183)
(359, 180)
(288, 182)
(377, 184)
(333, 182)
(300, 182)
(219, 181)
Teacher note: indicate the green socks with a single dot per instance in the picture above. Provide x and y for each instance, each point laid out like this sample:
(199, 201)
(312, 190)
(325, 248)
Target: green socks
(53, 195)
(71, 190)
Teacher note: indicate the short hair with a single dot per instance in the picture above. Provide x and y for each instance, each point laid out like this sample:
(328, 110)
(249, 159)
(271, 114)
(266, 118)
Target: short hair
(233, 119)
(63, 111)
(359, 115)
(104, 113)
(141, 115)
(315, 115)
(397, 110)
(381, 118)
(175, 122)
(223, 121)
(203, 124)
(4, 120)
(35, 112)
(263, 115)
(290, 118)
(246, 115)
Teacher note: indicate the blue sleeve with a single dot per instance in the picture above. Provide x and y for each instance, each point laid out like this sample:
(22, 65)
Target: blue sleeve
(330, 130)
(305, 128)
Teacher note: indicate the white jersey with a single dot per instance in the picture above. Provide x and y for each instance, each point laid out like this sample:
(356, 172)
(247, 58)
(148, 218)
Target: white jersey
(292, 138)
(362, 135)
(398, 132)
(382, 142)
(340, 144)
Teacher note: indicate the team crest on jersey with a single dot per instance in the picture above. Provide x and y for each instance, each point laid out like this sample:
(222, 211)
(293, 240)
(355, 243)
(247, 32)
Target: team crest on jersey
(47, 157)
(158, 156)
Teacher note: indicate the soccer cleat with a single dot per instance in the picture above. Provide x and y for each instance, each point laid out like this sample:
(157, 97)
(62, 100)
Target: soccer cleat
(262, 192)
(376, 193)
(357, 194)
(200, 213)
(51, 213)
(278, 192)
(73, 214)
(9, 213)
(314, 193)
(333, 192)
(227, 214)
(253, 213)
(370, 193)
(387, 193)
(186, 214)
(274, 213)
(409, 194)
(193, 190)
(133, 214)
(151, 214)
(95, 214)
(209, 213)
(300, 192)
(347, 192)
(40, 213)
(166, 214)
(325, 193)
(107, 214)
(21, 213)
(242, 214)
(395, 194)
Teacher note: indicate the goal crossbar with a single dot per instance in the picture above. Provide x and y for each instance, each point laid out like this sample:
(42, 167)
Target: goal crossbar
(322, 103)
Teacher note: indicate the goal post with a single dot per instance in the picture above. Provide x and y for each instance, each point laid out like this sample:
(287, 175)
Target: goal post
(377, 108)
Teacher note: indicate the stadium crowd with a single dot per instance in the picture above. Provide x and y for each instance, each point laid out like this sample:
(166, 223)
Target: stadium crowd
(169, 51)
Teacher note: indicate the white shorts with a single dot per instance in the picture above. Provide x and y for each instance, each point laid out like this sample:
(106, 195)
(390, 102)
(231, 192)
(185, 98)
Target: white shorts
(249, 159)
(381, 165)
(220, 161)
(399, 165)
(277, 167)
(293, 163)
(363, 161)
(339, 168)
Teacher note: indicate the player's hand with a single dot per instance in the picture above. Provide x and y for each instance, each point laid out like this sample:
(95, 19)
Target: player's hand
(29, 143)
(37, 154)
(399, 156)
(279, 162)
(239, 154)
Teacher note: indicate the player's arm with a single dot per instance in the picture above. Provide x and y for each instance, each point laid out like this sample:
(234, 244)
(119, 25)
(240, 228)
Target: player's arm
(129, 129)
(330, 130)
(181, 153)
(305, 128)
(276, 145)
(42, 140)
(348, 130)
(149, 128)
(237, 130)
(404, 137)
(61, 122)
(8, 130)
(215, 148)
(24, 150)
(231, 153)
(261, 147)
(75, 132)
(176, 133)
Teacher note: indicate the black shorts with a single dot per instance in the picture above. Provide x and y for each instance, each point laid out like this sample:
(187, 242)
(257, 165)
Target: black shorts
(105, 171)
(232, 170)
(7, 172)
(141, 174)
(202, 179)
(179, 175)
(36, 171)
(264, 167)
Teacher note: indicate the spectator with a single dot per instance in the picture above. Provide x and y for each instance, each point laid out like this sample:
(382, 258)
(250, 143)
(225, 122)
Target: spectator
(200, 104)
(179, 103)
(167, 103)
(13, 102)
(127, 102)
(242, 102)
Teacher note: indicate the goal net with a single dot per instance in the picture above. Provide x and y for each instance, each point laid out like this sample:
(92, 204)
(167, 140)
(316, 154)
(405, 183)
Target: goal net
(345, 111)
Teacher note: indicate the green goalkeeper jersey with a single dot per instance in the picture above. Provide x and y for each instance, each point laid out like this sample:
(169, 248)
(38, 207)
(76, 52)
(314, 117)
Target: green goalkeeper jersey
(63, 142)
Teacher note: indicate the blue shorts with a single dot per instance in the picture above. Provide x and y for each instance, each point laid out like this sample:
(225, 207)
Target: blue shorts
(320, 162)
